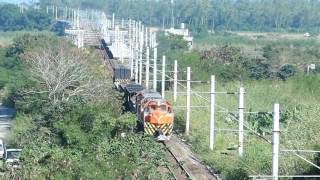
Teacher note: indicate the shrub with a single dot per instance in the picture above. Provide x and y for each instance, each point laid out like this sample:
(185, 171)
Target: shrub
(286, 71)
(270, 52)
(258, 69)
(226, 62)
(171, 43)
(261, 122)
(236, 173)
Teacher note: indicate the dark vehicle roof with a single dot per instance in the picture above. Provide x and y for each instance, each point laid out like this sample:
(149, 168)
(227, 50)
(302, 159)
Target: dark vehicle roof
(121, 66)
(149, 94)
(132, 88)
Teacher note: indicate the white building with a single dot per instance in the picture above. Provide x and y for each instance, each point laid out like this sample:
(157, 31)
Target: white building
(183, 31)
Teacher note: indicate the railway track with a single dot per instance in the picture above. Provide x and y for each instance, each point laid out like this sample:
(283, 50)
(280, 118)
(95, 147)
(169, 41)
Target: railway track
(183, 164)
(175, 167)
(187, 166)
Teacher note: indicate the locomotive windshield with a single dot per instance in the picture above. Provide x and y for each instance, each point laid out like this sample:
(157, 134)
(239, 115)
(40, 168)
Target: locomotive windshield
(163, 107)
(153, 108)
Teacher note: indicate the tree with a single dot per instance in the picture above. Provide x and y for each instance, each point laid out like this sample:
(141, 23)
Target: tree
(63, 72)
(12, 20)
(71, 121)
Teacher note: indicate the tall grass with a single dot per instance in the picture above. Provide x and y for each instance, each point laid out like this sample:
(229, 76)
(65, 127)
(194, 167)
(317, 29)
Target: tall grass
(300, 95)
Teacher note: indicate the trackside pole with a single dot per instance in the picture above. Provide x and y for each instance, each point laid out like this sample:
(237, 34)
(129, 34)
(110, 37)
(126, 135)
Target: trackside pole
(113, 23)
(66, 12)
(155, 39)
(175, 81)
(150, 39)
(73, 19)
(147, 68)
(140, 59)
(56, 12)
(78, 18)
(163, 80)
(241, 120)
(137, 34)
(147, 37)
(131, 47)
(155, 51)
(136, 72)
(212, 112)
(131, 61)
(188, 100)
(275, 142)
(139, 26)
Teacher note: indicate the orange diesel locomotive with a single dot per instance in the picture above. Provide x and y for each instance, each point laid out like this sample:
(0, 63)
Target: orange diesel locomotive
(155, 114)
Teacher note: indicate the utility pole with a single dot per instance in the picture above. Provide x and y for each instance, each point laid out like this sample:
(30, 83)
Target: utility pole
(163, 81)
(56, 13)
(241, 120)
(275, 142)
(155, 39)
(147, 34)
(172, 13)
(137, 42)
(175, 81)
(155, 51)
(141, 58)
(212, 112)
(78, 18)
(188, 100)
(147, 68)
(113, 23)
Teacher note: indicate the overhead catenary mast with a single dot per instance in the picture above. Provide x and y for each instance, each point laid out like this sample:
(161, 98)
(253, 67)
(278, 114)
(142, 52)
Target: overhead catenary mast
(172, 13)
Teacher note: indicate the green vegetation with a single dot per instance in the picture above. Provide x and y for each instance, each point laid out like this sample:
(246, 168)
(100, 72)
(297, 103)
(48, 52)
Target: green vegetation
(70, 122)
(242, 57)
(12, 20)
(201, 15)
(273, 72)
(69, 119)
(298, 99)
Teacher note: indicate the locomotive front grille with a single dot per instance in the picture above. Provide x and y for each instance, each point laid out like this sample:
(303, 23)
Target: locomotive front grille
(152, 129)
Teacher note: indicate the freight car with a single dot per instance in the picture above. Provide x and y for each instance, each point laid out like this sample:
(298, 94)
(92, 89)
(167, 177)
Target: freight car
(121, 75)
(106, 48)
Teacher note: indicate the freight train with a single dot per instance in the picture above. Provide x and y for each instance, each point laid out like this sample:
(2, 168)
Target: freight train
(154, 114)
